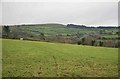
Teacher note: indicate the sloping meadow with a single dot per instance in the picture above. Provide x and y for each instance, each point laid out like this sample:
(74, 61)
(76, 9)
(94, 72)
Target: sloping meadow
(41, 59)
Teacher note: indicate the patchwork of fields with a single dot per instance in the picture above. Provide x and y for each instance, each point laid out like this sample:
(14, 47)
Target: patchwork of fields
(42, 59)
(59, 29)
(59, 33)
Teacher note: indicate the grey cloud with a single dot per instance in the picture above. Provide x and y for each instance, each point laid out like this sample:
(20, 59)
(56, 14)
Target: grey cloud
(89, 13)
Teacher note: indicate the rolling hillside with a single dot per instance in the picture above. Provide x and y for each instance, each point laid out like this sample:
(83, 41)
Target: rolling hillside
(70, 34)
(42, 59)
(54, 29)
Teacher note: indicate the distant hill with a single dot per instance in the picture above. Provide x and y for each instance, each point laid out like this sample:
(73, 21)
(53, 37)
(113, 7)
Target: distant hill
(84, 26)
(70, 33)
(45, 25)
(63, 25)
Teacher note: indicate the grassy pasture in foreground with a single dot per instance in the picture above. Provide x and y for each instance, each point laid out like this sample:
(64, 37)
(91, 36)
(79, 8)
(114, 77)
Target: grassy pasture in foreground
(42, 59)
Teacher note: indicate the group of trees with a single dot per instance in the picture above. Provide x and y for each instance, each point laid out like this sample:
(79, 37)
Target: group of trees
(87, 41)
(6, 31)
(95, 42)
(75, 26)
(99, 27)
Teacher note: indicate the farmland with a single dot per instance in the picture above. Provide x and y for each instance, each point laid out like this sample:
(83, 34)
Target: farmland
(22, 58)
(105, 36)
(56, 29)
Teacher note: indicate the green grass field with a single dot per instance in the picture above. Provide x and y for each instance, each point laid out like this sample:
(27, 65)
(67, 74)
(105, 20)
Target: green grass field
(42, 59)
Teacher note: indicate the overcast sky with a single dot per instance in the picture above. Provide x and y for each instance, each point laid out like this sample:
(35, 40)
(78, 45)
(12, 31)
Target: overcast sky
(87, 13)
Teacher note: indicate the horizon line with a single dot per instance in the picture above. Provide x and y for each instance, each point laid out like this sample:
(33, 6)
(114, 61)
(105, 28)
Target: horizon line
(53, 23)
